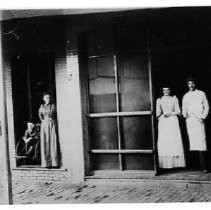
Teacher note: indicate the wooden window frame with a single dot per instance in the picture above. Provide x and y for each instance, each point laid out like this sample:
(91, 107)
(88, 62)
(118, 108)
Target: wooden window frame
(86, 116)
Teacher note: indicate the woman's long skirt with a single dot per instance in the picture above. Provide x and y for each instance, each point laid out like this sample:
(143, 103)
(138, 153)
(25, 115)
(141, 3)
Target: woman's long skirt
(49, 144)
(170, 147)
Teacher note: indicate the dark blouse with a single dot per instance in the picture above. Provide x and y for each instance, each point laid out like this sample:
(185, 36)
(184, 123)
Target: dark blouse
(33, 134)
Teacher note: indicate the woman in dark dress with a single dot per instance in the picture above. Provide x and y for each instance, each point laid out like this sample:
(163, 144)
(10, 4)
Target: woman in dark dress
(48, 133)
(27, 148)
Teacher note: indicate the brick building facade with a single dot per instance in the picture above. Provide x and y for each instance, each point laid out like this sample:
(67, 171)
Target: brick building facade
(105, 70)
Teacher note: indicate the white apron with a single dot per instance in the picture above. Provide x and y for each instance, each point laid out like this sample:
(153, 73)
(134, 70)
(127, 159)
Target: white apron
(170, 148)
(195, 108)
(196, 134)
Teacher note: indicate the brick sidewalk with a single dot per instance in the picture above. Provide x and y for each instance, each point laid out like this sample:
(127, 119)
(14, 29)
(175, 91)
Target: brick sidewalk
(176, 186)
(110, 191)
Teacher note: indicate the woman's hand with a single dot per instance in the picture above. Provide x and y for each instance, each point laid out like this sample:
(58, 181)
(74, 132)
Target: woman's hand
(168, 114)
(176, 113)
(28, 140)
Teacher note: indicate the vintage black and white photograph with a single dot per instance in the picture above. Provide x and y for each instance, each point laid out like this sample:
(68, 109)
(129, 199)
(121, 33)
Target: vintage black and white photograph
(105, 105)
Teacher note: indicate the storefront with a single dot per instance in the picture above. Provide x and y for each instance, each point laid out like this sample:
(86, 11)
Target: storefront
(104, 71)
(119, 106)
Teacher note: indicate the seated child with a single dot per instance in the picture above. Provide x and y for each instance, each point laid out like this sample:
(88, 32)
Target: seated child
(28, 145)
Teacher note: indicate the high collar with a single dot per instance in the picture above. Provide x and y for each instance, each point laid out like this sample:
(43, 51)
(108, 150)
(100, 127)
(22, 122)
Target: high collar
(47, 105)
(167, 96)
(193, 91)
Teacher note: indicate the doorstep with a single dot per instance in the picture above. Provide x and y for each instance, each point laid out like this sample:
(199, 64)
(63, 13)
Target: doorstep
(187, 176)
(112, 174)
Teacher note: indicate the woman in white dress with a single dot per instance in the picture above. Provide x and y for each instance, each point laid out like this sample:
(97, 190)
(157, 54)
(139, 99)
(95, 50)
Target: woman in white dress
(170, 147)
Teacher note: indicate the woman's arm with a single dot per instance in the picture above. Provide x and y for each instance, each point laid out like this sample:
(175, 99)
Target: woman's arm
(40, 113)
(158, 108)
(25, 136)
(184, 107)
(177, 110)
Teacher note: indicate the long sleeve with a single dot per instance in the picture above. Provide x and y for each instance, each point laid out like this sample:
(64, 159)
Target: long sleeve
(184, 106)
(206, 106)
(40, 113)
(25, 135)
(177, 110)
(158, 108)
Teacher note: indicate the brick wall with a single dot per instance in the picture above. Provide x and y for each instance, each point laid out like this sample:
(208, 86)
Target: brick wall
(40, 174)
(69, 111)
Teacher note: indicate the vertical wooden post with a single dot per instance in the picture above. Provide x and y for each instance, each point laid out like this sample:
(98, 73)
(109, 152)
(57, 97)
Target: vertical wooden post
(151, 97)
(6, 178)
(117, 109)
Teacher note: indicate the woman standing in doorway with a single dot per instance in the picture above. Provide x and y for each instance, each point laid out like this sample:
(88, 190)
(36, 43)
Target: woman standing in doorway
(48, 133)
(170, 148)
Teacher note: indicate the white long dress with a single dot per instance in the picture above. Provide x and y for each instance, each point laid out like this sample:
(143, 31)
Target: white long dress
(195, 107)
(170, 147)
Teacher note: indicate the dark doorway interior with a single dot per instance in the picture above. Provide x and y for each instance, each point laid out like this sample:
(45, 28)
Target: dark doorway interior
(118, 89)
(177, 66)
(181, 46)
(177, 42)
(31, 76)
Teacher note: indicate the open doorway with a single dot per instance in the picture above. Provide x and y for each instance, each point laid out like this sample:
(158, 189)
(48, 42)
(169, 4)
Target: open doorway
(31, 76)
(173, 66)
(180, 44)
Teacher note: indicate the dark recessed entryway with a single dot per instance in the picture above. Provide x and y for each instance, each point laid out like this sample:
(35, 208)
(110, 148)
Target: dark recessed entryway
(125, 65)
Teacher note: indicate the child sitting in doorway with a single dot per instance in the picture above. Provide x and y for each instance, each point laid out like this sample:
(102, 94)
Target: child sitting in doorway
(27, 148)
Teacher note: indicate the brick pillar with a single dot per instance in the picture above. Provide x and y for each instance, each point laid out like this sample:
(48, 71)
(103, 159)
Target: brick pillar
(10, 114)
(69, 111)
(7, 182)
